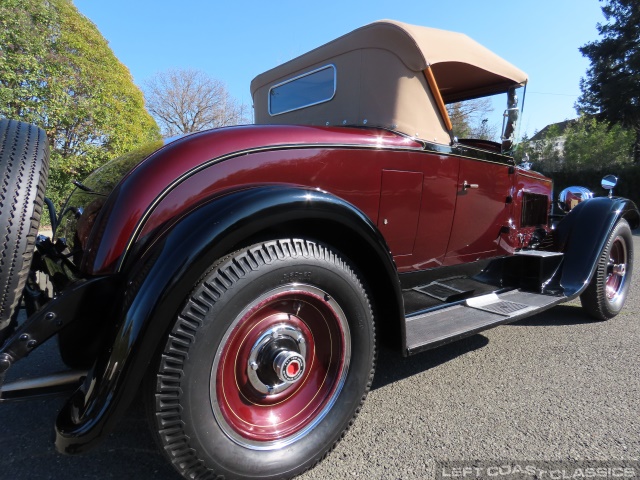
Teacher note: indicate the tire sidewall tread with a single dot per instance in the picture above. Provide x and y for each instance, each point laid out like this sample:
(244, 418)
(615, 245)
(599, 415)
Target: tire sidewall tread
(182, 379)
(594, 298)
(24, 165)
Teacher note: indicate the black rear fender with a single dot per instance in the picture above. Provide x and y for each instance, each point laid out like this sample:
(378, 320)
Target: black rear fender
(160, 278)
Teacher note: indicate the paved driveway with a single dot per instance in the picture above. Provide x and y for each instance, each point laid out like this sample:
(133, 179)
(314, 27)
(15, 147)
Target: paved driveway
(550, 387)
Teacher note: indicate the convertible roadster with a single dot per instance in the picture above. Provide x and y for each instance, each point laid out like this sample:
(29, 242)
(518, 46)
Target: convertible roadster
(240, 278)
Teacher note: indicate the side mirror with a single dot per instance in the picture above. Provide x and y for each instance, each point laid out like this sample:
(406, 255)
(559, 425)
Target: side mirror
(609, 182)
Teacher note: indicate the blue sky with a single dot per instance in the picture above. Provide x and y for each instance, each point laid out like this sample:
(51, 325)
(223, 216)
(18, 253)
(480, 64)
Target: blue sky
(236, 40)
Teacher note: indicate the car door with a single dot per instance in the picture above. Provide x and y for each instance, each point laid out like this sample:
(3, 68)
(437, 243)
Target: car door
(483, 204)
(417, 201)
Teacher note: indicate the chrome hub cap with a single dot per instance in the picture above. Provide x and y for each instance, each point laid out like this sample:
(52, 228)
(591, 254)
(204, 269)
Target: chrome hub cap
(277, 359)
(280, 367)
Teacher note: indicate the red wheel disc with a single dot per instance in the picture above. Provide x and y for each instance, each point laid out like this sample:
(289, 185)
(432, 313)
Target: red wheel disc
(251, 403)
(616, 269)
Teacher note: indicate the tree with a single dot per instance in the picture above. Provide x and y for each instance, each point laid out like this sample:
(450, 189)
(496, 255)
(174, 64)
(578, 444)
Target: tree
(545, 151)
(470, 119)
(584, 144)
(188, 100)
(611, 87)
(592, 144)
(58, 72)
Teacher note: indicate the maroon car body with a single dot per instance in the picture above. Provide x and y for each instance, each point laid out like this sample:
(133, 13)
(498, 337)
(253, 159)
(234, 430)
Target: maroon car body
(243, 274)
(421, 230)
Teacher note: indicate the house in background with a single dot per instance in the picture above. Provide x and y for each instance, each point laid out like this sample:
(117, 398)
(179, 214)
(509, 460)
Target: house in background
(546, 147)
(584, 143)
(554, 131)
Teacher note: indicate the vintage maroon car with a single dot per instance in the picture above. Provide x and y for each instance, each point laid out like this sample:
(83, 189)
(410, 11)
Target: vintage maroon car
(243, 275)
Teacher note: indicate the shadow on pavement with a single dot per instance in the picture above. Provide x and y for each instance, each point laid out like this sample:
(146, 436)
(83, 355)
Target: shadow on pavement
(392, 366)
(557, 316)
(27, 434)
(130, 452)
(26, 437)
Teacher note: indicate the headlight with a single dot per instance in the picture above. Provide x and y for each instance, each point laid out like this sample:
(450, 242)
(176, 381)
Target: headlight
(572, 196)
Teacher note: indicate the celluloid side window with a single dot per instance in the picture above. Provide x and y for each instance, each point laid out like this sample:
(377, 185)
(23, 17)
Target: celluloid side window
(311, 88)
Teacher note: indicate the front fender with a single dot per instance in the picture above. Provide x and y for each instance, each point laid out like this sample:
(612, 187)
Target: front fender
(582, 236)
(160, 279)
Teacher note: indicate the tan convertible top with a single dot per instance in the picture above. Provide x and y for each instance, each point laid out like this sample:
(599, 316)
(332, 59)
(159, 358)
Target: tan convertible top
(380, 79)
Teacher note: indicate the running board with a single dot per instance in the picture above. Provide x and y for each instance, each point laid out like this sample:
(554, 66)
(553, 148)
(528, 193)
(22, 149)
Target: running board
(445, 325)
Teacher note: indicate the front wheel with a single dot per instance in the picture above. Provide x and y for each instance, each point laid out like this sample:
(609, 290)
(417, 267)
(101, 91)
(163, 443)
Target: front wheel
(267, 364)
(607, 291)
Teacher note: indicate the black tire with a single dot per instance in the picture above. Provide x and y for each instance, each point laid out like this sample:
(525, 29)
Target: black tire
(605, 295)
(240, 295)
(24, 165)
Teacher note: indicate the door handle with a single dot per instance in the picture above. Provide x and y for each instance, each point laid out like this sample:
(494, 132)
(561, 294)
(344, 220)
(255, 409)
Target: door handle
(466, 185)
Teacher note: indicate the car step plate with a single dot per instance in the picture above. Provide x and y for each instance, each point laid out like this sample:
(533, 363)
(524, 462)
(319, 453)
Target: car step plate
(492, 303)
(439, 326)
(445, 293)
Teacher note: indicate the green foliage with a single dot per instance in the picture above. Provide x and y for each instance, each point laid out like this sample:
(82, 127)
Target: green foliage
(459, 120)
(57, 71)
(545, 153)
(628, 180)
(581, 144)
(591, 144)
(612, 85)
(105, 178)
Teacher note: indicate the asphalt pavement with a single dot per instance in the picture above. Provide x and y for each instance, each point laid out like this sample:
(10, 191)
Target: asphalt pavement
(555, 386)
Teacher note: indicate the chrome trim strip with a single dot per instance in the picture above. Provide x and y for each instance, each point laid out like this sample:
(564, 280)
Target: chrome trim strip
(479, 159)
(453, 154)
(464, 145)
(335, 81)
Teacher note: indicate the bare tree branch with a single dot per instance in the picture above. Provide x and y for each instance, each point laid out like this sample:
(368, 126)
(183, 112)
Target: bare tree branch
(470, 119)
(188, 100)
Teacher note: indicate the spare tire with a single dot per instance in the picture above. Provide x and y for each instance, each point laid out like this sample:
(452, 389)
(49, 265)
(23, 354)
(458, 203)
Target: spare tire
(24, 165)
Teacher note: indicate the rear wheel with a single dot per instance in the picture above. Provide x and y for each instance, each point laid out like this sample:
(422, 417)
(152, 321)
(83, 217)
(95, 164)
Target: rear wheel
(607, 291)
(24, 165)
(267, 364)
